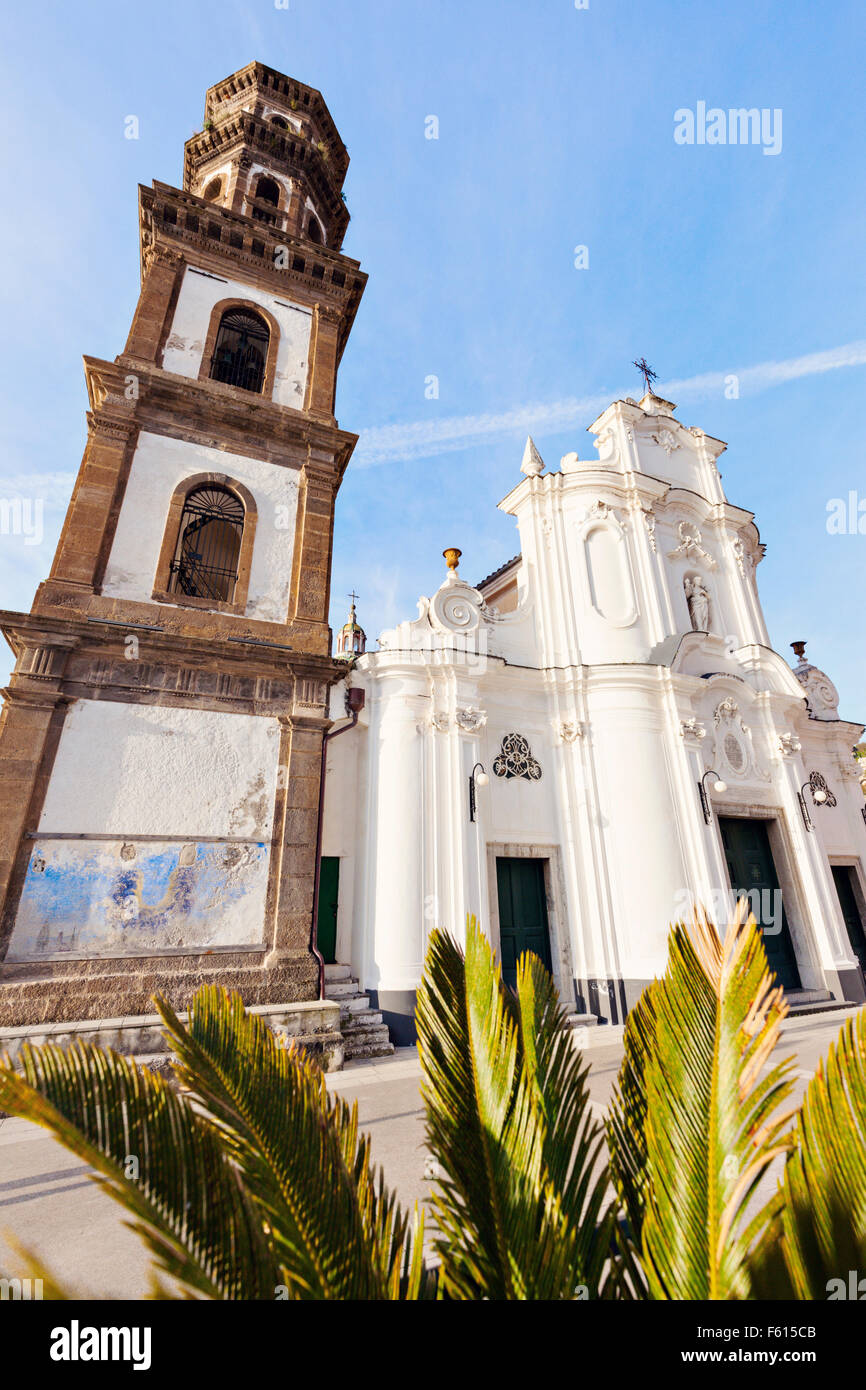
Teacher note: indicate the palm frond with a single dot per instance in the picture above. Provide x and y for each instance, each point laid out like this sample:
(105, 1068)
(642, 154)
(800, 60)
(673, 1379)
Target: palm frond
(337, 1231)
(817, 1232)
(626, 1131)
(163, 1163)
(495, 1079)
(699, 1053)
(556, 1077)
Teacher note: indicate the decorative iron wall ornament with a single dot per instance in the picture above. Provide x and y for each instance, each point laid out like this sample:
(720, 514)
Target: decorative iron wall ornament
(821, 796)
(515, 759)
(817, 783)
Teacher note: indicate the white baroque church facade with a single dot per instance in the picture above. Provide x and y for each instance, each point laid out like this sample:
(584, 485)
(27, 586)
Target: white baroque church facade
(595, 737)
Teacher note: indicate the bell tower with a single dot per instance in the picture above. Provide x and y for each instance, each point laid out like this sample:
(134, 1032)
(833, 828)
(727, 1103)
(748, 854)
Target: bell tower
(161, 735)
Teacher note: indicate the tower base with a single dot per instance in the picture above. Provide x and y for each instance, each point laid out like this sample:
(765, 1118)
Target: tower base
(59, 992)
(313, 1025)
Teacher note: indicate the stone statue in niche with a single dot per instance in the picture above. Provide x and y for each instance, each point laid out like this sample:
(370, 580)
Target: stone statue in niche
(698, 600)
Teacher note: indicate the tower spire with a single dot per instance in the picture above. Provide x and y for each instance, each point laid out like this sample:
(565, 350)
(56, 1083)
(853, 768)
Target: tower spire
(351, 639)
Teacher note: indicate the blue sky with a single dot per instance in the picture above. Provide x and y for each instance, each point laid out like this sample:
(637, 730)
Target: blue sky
(555, 130)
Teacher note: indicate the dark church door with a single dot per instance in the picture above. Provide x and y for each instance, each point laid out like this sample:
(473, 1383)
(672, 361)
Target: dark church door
(850, 911)
(751, 868)
(522, 913)
(329, 885)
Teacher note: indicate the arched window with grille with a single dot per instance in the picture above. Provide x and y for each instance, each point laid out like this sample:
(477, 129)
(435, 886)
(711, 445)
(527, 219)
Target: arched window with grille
(241, 350)
(207, 553)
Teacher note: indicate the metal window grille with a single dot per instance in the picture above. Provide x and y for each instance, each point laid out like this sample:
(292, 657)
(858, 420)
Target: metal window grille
(205, 563)
(241, 350)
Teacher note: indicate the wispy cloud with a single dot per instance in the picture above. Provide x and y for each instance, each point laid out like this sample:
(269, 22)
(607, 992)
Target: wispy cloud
(424, 439)
(54, 489)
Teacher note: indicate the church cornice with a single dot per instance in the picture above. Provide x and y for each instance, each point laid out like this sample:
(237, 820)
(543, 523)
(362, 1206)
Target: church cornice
(632, 414)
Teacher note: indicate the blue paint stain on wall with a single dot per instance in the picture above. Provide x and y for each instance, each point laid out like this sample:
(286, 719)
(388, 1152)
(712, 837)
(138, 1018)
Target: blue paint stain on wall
(122, 897)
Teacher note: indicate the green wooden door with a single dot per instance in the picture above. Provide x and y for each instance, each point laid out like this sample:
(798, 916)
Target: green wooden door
(751, 869)
(329, 885)
(522, 913)
(850, 911)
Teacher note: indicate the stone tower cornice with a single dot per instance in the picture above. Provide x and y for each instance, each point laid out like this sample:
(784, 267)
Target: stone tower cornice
(202, 411)
(176, 223)
(293, 156)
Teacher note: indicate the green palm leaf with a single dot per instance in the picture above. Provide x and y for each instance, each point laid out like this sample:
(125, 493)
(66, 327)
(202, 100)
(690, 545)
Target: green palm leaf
(155, 1156)
(556, 1079)
(626, 1131)
(817, 1233)
(507, 1120)
(704, 1123)
(337, 1231)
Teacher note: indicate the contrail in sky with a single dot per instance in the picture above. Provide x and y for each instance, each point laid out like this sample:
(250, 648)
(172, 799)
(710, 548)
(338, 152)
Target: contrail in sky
(427, 438)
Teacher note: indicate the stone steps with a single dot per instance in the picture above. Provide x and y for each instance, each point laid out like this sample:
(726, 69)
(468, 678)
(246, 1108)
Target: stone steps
(365, 1033)
(313, 1025)
(812, 1001)
(338, 972)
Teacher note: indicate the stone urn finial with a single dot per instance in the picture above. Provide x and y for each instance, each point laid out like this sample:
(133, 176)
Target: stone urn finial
(799, 650)
(452, 558)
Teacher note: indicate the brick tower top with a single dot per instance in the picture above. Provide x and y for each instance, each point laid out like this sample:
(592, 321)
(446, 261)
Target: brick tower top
(270, 149)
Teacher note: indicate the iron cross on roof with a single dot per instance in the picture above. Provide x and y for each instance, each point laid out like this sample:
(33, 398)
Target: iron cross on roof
(353, 598)
(646, 372)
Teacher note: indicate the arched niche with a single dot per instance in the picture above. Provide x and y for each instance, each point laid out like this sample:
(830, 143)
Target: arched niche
(607, 569)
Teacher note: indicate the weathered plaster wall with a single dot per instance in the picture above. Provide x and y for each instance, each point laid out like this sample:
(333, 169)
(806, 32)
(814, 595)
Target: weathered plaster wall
(198, 295)
(119, 898)
(169, 792)
(159, 465)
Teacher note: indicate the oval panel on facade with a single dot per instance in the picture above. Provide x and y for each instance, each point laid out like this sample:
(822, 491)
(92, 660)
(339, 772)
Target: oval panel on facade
(610, 586)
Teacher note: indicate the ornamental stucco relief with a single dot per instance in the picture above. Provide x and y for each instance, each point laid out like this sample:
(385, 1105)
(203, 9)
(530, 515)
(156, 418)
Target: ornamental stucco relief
(470, 719)
(690, 545)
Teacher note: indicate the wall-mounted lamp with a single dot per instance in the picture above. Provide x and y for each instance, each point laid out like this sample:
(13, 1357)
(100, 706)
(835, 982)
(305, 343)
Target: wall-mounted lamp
(718, 786)
(821, 796)
(481, 780)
